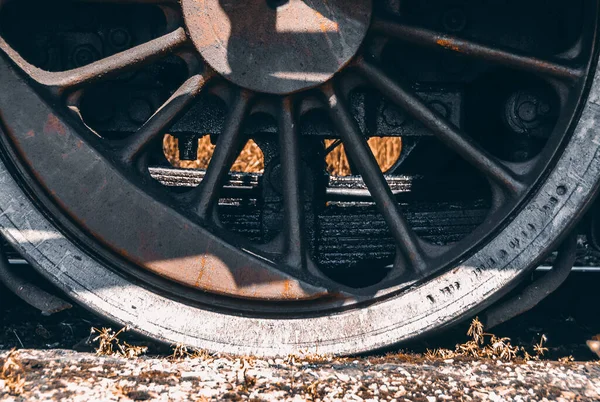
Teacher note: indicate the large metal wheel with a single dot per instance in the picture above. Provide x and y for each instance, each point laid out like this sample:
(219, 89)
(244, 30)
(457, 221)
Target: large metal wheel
(496, 106)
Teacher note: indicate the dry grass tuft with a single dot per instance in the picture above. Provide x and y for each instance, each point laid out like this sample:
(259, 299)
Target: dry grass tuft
(488, 346)
(398, 356)
(308, 357)
(131, 351)
(500, 348)
(440, 353)
(11, 374)
(250, 160)
(181, 352)
(109, 344)
(566, 359)
(385, 149)
(476, 331)
(539, 347)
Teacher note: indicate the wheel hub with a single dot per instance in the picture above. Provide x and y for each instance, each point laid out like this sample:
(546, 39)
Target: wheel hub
(277, 46)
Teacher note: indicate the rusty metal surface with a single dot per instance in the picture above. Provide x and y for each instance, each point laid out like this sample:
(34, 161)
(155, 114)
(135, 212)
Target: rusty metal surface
(102, 69)
(443, 41)
(274, 46)
(144, 230)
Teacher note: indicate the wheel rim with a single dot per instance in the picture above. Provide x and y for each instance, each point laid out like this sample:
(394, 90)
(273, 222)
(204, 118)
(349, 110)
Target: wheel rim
(283, 270)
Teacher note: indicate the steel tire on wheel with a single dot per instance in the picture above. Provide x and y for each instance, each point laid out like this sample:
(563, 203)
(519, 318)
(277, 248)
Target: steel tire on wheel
(549, 210)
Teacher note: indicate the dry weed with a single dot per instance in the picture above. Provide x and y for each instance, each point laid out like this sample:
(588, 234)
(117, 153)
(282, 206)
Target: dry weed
(476, 331)
(488, 346)
(131, 351)
(500, 348)
(386, 151)
(109, 344)
(539, 347)
(470, 348)
(526, 356)
(308, 357)
(11, 374)
(181, 352)
(439, 353)
(401, 356)
(250, 160)
(566, 359)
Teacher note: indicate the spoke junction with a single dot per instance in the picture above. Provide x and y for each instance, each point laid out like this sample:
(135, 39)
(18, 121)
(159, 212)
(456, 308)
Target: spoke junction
(164, 117)
(228, 147)
(360, 154)
(441, 128)
(104, 69)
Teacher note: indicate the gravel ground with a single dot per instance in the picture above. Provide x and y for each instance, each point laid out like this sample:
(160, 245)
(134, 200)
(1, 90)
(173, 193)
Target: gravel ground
(62, 374)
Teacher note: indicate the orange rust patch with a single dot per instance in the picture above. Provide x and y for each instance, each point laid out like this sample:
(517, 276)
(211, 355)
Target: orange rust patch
(123, 252)
(201, 271)
(329, 26)
(445, 43)
(207, 272)
(54, 126)
(287, 290)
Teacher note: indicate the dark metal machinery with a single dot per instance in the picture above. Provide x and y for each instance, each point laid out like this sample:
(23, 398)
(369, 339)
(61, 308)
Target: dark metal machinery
(485, 97)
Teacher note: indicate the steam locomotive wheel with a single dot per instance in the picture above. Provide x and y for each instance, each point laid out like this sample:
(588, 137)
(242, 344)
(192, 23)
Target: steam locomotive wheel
(496, 106)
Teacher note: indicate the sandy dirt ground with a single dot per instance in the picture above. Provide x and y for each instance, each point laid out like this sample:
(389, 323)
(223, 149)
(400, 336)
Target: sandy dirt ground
(68, 375)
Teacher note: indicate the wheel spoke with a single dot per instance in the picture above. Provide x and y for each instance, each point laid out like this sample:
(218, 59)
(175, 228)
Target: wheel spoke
(441, 128)
(164, 117)
(102, 69)
(292, 192)
(227, 149)
(361, 156)
(509, 58)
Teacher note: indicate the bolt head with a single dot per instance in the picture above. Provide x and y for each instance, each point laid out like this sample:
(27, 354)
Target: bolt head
(527, 111)
(119, 38)
(84, 55)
